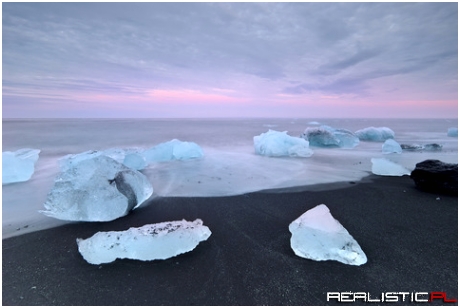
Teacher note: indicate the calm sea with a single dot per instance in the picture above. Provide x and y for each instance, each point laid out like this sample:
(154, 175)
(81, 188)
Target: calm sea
(229, 167)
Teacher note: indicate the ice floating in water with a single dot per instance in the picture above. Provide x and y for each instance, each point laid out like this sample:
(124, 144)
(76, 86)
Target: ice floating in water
(274, 143)
(391, 146)
(318, 236)
(382, 166)
(326, 136)
(18, 166)
(96, 189)
(150, 242)
(173, 150)
(452, 132)
(375, 134)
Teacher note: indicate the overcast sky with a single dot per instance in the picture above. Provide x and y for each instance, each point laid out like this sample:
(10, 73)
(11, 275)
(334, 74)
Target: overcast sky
(230, 60)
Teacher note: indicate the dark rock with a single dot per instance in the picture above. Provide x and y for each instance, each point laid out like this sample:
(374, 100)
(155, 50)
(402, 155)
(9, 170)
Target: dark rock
(436, 176)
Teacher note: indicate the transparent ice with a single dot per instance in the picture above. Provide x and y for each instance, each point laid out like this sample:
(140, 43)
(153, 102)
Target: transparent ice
(173, 150)
(383, 166)
(391, 146)
(150, 242)
(18, 166)
(452, 132)
(318, 236)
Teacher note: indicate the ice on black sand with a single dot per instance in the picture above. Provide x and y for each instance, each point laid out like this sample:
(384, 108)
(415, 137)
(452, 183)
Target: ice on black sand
(150, 242)
(318, 236)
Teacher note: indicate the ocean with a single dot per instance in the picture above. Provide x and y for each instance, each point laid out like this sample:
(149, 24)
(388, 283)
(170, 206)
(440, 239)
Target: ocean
(229, 166)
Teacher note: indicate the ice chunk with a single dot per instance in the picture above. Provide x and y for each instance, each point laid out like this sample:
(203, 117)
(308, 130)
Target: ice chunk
(326, 136)
(71, 160)
(432, 147)
(135, 161)
(382, 166)
(173, 150)
(150, 242)
(96, 189)
(274, 143)
(412, 147)
(318, 236)
(452, 132)
(18, 166)
(375, 133)
(391, 146)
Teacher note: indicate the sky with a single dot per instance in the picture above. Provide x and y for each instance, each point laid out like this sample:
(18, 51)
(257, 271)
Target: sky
(261, 59)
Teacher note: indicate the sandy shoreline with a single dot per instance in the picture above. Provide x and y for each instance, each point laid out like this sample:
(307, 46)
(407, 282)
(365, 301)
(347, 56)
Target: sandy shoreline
(410, 238)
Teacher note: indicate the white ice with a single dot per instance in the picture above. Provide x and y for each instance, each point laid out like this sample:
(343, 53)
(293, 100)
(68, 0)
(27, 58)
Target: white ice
(375, 133)
(275, 143)
(326, 136)
(173, 150)
(96, 189)
(452, 132)
(318, 236)
(150, 242)
(391, 146)
(382, 166)
(18, 166)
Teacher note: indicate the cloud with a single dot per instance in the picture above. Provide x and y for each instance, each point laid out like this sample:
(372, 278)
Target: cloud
(255, 50)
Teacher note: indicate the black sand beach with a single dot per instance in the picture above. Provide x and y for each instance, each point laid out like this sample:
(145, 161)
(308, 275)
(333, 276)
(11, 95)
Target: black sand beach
(410, 238)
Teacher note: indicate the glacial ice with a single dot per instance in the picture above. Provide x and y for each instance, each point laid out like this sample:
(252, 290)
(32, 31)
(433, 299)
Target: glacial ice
(318, 236)
(375, 134)
(96, 189)
(452, 132)
(275, 143)
(421, 147)
(432, 147)
(326, 136)
(391, 146)
(383, 166)
(135, 161)
(18, 166)
(173, 150)
(150, 242)
(119, 155)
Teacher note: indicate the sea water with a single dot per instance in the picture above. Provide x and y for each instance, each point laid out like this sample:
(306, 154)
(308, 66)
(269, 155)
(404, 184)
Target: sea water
(229, 166)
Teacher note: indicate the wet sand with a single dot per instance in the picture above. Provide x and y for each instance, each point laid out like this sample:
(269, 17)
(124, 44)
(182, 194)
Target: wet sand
(410, 239)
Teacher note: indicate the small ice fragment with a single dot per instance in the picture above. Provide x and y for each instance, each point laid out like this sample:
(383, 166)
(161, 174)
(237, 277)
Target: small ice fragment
(318, 236)
(382, 166)
(412, 147)
(18, 166)
(452, 132)
(391, 146)
(150, 242)
(432, 147)
(274, 143)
